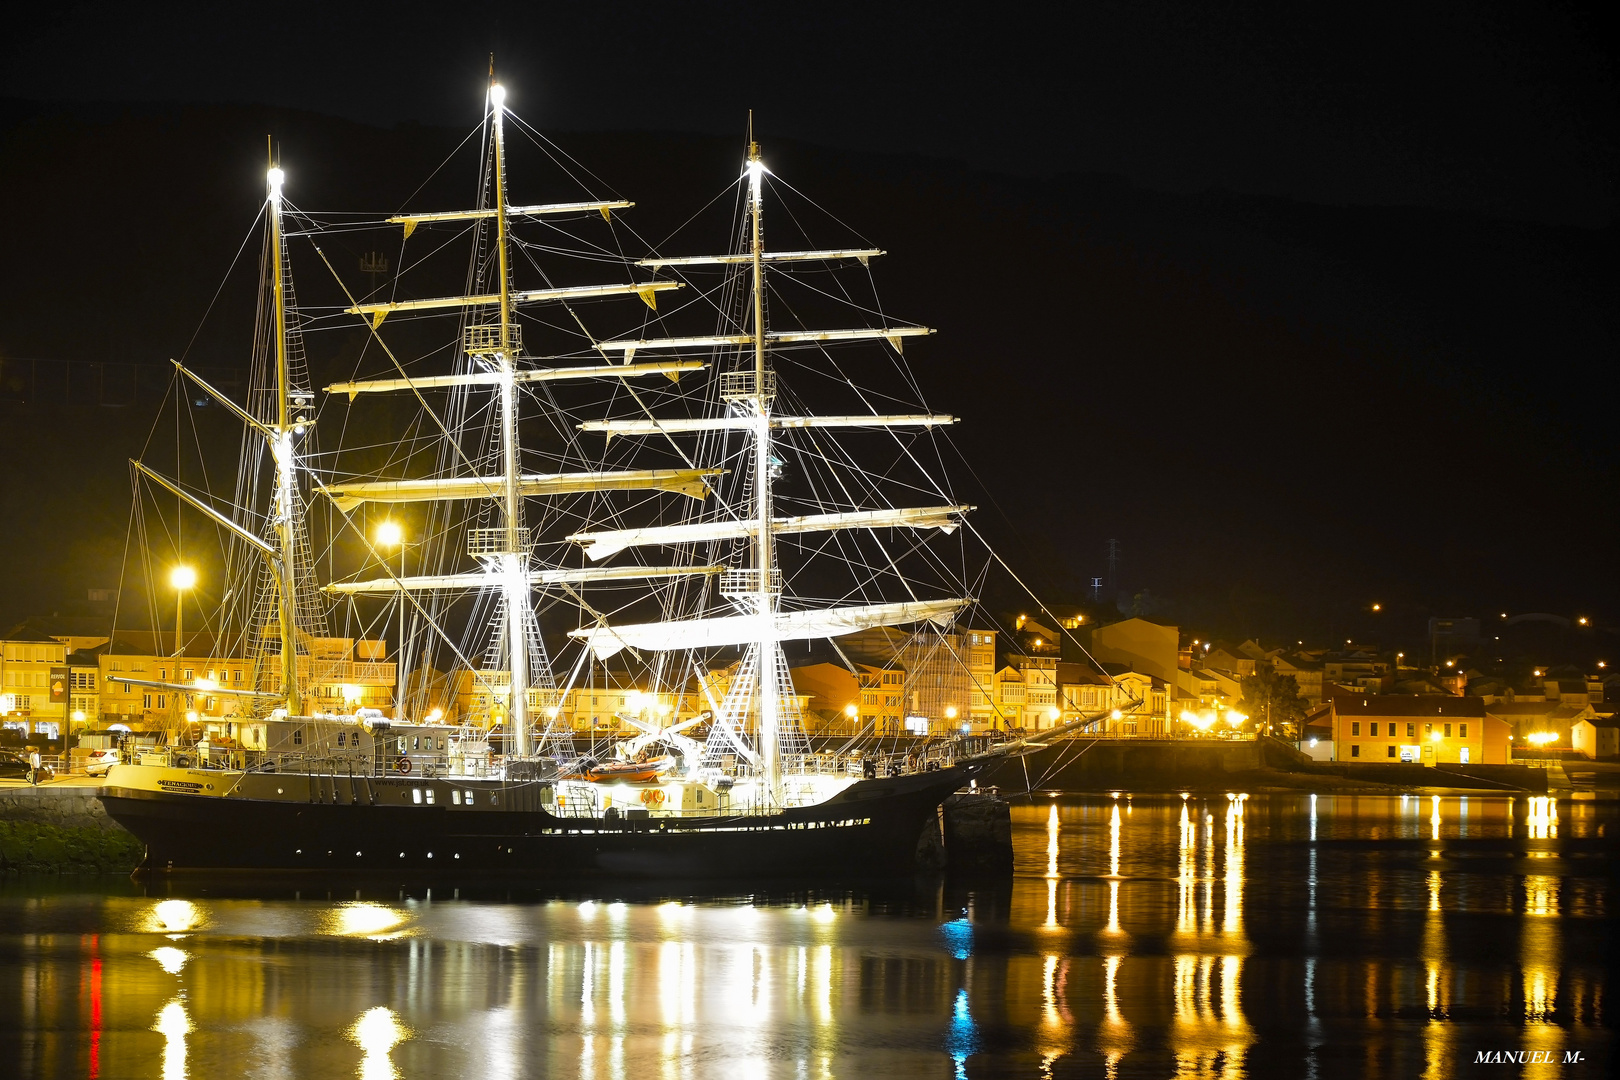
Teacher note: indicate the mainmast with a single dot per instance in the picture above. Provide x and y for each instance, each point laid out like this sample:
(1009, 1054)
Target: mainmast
(770, 699)
(282, 450)
(513, 561)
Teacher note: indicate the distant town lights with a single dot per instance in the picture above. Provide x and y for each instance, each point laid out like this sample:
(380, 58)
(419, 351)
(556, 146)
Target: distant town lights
(852, 710)
(351, 693)
(1378, 607)
(1581, 620)
(1542, 738)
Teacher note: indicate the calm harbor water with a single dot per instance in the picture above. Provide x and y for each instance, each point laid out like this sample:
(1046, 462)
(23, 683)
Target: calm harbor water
(1145, 936)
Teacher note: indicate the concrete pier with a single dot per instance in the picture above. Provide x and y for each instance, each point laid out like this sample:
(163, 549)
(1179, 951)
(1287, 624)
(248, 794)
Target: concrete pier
(68, 802)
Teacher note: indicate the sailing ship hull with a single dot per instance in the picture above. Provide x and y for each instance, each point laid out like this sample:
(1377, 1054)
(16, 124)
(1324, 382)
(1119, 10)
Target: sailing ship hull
(871, 829)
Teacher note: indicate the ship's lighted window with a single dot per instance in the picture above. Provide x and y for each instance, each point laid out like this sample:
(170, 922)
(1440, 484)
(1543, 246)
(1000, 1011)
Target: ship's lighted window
(416, 795)
(298, 737)
(430, 796)
(341, 737)
(468, 798)
(455, 797)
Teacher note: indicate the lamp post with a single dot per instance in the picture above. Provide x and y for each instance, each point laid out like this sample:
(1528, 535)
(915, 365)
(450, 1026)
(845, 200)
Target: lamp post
(181, 578)
(390, 535)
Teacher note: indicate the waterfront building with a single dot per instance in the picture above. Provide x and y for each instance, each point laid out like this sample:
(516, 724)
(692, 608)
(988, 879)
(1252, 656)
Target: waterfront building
(339, 675)
(1430, 729)
(34, 695)
(1145, 646)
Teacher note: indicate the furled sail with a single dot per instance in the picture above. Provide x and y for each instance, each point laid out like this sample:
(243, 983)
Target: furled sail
(479, 579)
(688, 482)
(748, 423)
(599, 545)
(605, 641)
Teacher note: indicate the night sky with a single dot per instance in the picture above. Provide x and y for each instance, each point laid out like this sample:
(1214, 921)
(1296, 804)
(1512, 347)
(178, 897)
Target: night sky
(1308, 305)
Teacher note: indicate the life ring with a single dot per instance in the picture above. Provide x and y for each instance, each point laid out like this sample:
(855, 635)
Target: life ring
(404, 766)
(652, 797)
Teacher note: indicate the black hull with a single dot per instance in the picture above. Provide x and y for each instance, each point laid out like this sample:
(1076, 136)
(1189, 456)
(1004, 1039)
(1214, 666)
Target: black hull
(871, 829)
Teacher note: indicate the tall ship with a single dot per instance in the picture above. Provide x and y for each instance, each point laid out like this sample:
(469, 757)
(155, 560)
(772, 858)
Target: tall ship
(667, 493)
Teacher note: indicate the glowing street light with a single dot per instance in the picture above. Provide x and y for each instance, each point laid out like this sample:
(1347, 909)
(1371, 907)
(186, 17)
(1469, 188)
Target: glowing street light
(181, 579)
(390, 535)
(851, 710)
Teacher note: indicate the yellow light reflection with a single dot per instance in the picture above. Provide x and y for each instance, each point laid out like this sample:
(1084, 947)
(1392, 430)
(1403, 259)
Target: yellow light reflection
(1113, 906)
(175, 916)
(362, 920)
(1187, 877)
(1052, 842)
(1540, 895)
(1541, 818)
(377, 1032)
(1208, 1028)
(1113, 843)
(616, 984)
(170, 959)
(174, 1025)
(1434, 819)
(1232, 922)
(1055, 1033)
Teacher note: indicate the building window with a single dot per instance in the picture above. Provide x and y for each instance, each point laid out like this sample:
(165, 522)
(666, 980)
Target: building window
(163, 701)
(1391, 750)
(1411, 731)
(298, 737)
(1372, 729)
(1355, 751)
(1428, 729)
(1448, 731)
(1462, 731)
(1355, 727)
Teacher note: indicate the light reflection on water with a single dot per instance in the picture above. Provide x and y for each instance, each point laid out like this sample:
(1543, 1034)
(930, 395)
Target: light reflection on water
(1273, 935)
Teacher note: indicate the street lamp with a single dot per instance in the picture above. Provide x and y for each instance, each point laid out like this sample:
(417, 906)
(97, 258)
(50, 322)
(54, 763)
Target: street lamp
(181, 578)
(390, 535)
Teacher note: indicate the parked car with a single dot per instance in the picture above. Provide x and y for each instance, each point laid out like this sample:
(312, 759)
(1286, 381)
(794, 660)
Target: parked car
(14, 766)
(99, 761)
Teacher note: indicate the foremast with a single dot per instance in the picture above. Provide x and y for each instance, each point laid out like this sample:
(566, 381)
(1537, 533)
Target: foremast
(281, 444)
(765, 601)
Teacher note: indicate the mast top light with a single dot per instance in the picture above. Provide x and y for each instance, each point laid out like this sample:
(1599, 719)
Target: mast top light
(497, 95)
(275, 176)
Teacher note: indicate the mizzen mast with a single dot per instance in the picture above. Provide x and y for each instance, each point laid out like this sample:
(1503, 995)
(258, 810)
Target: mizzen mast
(512, 557)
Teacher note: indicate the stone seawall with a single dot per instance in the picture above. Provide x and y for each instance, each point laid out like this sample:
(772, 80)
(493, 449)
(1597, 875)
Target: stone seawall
(1081, 764)
(67, 806)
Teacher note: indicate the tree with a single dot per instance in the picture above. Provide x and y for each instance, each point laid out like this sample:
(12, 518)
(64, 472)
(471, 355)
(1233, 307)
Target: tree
(1273, 700)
